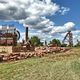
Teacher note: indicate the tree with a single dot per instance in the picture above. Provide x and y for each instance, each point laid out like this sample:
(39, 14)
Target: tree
(56, 41)
(36, 41)
(77, 45)
(63, 45)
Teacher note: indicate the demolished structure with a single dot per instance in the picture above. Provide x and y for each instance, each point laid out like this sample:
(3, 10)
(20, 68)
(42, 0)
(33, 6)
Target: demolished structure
(28, 50)
(9, 36)
(69, 35)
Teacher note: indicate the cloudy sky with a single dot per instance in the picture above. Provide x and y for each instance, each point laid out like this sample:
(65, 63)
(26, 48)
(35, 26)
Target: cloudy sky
(48, 19)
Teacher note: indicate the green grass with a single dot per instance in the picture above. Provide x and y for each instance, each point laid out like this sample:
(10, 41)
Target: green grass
(45, 68)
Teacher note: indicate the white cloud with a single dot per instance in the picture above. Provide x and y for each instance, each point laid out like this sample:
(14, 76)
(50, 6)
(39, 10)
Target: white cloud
(66, 27)
(69, 25)
(48, 1)
(0, 27)
(22, 36)
(64, 10)
(21, 9)
(32, 13)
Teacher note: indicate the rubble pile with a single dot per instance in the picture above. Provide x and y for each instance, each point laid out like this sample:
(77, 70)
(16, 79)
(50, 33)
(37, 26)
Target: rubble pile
(38, 52)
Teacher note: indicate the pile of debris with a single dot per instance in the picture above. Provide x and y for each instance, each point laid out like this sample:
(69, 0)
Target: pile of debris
(39, 52)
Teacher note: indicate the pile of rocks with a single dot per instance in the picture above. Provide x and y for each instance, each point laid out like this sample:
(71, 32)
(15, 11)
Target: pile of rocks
(39, 52)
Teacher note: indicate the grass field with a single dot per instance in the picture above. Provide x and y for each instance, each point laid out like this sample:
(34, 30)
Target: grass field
(60, 66)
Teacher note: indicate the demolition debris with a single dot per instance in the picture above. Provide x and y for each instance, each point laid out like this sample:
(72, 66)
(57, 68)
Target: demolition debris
(39, 52)
(9, 37)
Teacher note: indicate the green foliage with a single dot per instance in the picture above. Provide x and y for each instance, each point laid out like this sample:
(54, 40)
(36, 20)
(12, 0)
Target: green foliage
(63, 45)
(56, 41)
(77, 45)
(51, 67)
(36, 41)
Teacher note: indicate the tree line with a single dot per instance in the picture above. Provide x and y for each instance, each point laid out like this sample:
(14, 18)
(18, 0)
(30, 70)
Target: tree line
(35, 40)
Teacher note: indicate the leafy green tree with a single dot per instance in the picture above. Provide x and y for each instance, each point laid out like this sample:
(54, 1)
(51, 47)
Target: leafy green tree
(63, 45)
(36, 41)
(77, 45)
(56, 41)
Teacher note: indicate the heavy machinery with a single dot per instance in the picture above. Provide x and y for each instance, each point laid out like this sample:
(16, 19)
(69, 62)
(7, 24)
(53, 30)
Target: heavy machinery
(69, 38)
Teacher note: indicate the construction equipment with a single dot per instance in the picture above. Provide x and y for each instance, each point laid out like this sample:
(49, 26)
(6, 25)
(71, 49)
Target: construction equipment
(69, 35)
